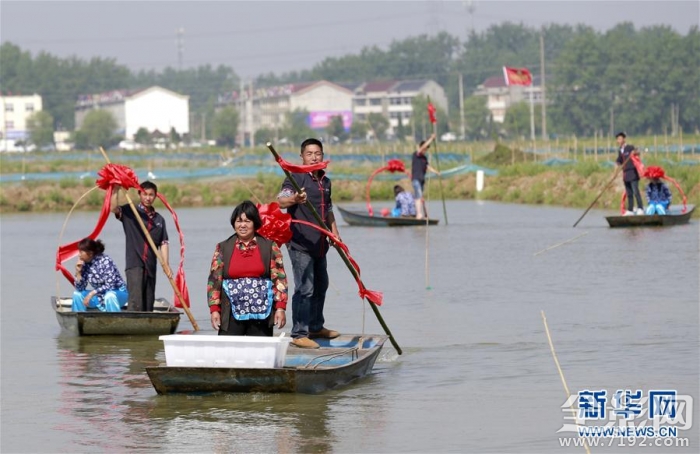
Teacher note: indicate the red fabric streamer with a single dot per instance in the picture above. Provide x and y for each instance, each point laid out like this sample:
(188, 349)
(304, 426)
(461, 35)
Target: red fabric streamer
(288, 166)
(393, 165)
(275, 224)
(655, 172)
(431, 113)
(373, 296)
(110, 175)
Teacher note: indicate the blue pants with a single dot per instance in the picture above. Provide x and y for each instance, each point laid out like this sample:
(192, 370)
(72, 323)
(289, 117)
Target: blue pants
(657, 208)
(417, 189)
(113, 300)
(310, 285)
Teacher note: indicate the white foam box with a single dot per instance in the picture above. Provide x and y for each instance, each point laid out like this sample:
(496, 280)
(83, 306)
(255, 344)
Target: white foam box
(252, 352)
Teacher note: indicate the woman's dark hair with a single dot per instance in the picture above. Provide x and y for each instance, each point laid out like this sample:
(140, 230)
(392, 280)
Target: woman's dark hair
(398, 189)
(251, 212)
(90, 245)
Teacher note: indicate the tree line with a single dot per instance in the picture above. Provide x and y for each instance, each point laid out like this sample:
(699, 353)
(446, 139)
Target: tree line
(645, 81)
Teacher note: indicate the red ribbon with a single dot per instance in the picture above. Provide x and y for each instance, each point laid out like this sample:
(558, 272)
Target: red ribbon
(116, 174)
(288, 166)
(275, 224)
(373, 296)
(393, 165)
(655, 172)
(431, 113)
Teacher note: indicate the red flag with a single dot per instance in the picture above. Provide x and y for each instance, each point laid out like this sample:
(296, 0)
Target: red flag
(517, 76)
(431, 113)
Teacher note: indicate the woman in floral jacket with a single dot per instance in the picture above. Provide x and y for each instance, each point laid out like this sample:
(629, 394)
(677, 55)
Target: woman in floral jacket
(98, 270)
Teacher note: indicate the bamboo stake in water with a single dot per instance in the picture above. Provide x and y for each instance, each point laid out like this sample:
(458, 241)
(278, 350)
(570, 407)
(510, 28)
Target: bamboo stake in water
(561, 375)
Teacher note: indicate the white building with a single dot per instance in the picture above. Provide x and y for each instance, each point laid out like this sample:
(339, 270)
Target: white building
(394, 99)
(14, 112)
(267, 107)
(154, 108)
(500, 96)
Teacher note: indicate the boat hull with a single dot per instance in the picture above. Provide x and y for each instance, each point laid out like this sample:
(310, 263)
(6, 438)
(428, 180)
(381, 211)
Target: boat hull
(655, 220)
(308, 371)
(362, 219)
(125, 323)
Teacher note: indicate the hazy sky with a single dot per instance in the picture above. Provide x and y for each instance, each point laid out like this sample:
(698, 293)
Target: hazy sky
(257, 37)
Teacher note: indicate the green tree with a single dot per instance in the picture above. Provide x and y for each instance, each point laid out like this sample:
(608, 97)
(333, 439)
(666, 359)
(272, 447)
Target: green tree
(296, 126)
(40, 127)
(225, 128)
(517, 121)
(477, 117)
(142, 136)
(358, 129)
(98, 130)
(174, 136)
(264, 135)
(335, 128)
(379, 124)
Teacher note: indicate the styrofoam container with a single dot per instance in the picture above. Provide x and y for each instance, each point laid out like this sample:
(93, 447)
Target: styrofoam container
(252, 352)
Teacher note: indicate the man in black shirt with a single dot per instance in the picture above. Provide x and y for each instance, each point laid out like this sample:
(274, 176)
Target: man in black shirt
(419, 167)
(141, 262)
(630, 176)
(308, 247)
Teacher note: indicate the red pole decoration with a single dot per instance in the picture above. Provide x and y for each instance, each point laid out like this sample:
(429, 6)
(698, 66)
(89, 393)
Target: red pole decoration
(431, 113)
(655, 172)
(393, 165)
(275, 224)
(288, 166)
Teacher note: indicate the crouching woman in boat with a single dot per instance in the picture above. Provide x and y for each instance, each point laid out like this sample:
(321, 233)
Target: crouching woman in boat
(97, 269)
(247, 286)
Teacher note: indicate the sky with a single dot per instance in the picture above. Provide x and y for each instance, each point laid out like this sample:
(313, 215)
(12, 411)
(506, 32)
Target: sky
(256, 37)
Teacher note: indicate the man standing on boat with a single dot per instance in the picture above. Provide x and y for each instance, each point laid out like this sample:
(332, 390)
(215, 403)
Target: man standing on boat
(308, 247)
(419, 167)
(630, 176)
(141, 262)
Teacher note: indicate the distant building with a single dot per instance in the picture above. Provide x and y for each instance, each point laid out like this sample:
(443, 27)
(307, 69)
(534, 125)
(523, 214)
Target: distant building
(154, 108)
(500, 96)
(267, 107)
(14, 112)
(394, 99)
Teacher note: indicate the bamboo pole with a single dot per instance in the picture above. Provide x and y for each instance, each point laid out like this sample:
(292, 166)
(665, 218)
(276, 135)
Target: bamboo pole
(342, 253)
(156, 252)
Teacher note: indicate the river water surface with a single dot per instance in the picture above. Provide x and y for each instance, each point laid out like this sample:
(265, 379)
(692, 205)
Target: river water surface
(477, 374)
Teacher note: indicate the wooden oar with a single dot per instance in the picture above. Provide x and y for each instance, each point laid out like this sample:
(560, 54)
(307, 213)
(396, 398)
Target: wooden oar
(156, 252)
(342, 253)
(617, 171)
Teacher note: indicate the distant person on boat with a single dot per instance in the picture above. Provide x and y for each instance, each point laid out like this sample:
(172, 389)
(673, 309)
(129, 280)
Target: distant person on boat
(405, 203)
(247, 286)
(629, 156)
(141, 262)
(419, 167)
(97, 269)
(308, 247)
(658, 194)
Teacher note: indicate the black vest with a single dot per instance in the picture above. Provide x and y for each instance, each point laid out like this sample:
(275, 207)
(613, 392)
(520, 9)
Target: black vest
(226, 247)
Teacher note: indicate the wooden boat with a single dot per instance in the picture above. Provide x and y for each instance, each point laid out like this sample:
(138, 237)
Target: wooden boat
(361, 218)
(673, 217)
(309, 371)
(163, 320)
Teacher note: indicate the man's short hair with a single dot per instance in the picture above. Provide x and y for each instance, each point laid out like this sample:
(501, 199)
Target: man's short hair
(149, 185)
(311, 141)
(624, 136)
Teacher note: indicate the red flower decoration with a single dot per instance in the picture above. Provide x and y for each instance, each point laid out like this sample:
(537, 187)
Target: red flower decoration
(394, 165)
(654, 172)
(431, 113)
(276, 225)
(117, 174)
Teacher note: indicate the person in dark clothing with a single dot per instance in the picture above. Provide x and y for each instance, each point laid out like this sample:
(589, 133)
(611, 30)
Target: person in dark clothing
(141, 262)
(308, 247)
(419, 167)
(630, 175)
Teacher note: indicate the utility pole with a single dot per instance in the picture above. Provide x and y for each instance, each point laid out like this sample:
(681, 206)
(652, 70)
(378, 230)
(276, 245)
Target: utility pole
(180, 46)
(463, 131)
(544, 91)
(204, 127)
(252, 117)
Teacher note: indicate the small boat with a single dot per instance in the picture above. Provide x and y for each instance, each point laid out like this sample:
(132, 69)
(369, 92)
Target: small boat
(336, 363)
(361, 218)
(163, 320)
(674, 217)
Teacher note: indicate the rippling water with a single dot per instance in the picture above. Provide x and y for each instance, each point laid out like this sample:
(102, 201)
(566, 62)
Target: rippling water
(476, 374)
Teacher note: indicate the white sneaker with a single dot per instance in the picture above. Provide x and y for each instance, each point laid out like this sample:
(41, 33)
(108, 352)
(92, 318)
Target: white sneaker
(638, 211)
(628, 213)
